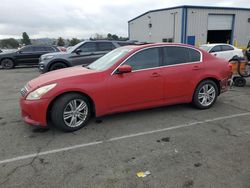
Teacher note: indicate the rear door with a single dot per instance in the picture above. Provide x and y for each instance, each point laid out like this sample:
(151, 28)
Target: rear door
(182, 67)
(217, 51)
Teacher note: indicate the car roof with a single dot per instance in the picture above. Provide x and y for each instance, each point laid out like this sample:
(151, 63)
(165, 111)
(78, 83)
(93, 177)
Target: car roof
(215, 44)
(142, 46)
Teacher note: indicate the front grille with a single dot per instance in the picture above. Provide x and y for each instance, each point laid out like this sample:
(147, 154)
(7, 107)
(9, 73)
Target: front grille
(24, 91)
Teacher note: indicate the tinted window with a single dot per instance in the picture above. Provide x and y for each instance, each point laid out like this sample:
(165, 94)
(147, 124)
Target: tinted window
(106, 46)
(38, 48)
(148, 58)
(177, 55)
(227, 48)
(88, 47)
(215, 49)
(124, 43)
(49, 49)
(27, 49)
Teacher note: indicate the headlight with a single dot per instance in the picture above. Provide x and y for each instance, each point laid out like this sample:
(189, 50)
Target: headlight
(47, 57)
(38, 93)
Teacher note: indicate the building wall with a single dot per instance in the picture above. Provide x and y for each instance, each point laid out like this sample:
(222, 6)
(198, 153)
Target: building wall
(162, 26)
(197, 24)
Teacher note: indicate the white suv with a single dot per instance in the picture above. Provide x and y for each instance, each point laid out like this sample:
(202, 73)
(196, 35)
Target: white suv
(224, 51)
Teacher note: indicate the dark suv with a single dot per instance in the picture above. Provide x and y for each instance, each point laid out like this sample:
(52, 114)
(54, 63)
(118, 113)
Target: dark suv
(28, 55)
(83, 53)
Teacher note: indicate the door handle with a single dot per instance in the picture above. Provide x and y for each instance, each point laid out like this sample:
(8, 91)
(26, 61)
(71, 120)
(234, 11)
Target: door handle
(196, 67)
(155, 74)
(215, 54)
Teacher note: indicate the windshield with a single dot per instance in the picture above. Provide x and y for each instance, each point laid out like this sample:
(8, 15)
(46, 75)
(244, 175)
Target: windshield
(206, 48)
(72, 48)
(109, 59)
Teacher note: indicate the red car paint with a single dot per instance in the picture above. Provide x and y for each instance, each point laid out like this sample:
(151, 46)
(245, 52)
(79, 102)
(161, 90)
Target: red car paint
(112, 93)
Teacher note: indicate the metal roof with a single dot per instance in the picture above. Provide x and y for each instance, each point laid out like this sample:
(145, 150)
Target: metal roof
(191, 6)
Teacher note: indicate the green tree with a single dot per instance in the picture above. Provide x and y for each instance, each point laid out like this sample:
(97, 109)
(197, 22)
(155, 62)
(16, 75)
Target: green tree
(60, 41)
(25, 40)
(9, 43)
(74, 41)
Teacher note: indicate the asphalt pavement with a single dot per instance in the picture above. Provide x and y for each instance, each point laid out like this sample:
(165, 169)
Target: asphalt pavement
(179, 145)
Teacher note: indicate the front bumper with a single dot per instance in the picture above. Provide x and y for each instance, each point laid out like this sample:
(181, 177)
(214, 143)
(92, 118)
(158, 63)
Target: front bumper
(34, 112)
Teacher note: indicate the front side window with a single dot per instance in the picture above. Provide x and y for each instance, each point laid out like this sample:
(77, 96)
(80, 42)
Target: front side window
(27, 49)
(215, 49)
(145, 59)
(88, 47)
(106, 46)
(179, 55)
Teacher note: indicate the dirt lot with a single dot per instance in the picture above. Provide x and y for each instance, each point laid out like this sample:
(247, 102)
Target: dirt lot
(179, 145)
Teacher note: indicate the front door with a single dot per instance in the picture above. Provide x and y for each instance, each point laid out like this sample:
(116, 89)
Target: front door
(141, 87)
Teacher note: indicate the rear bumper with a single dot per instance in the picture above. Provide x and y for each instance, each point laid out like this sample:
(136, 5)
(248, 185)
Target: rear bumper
(34, 112)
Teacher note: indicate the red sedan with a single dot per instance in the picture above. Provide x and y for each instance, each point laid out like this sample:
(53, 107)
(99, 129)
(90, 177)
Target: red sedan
(127, 78)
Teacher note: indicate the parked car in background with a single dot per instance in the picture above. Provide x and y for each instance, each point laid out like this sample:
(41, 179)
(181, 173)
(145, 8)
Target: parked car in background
(62, 49)
(27, 55)
(224, 51)
(127, 78)
(82, 53)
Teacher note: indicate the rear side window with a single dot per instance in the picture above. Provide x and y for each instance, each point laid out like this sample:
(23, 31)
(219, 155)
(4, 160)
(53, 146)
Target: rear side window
(49, 49)
(226, 48)
(178, 55)
(145, 59)
(215, 49)
(106, 46)
(89, 47)
(39, 48)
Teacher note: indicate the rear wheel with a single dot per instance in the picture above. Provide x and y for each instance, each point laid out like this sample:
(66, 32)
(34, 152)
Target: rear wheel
(239, 81)
(205, 94)
(57, 66)
(7, 64)
(71, 112)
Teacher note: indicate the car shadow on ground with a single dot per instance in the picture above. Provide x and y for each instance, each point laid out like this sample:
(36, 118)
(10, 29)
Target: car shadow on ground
(21, 67)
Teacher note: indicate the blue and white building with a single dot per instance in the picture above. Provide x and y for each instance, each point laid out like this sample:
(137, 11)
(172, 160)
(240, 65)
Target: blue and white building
(193, 25)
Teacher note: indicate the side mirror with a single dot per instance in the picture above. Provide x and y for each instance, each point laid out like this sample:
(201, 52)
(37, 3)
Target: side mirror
(78, 51)
(124, 69)
(20, 51)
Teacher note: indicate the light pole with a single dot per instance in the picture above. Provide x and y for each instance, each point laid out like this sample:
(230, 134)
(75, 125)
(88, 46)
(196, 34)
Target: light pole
(174, 13)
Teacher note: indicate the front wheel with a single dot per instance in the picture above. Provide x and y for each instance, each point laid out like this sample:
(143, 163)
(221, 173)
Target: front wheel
(57, 66)
(205, 94)
(71, 112)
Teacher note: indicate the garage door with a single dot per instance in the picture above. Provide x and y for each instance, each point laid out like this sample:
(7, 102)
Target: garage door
(220, 22)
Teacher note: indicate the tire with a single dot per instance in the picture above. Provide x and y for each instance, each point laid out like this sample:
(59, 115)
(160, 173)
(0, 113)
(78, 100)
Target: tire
(64, 113)
(239, 82)
(7, 64)
(205, 94)
(56, 66)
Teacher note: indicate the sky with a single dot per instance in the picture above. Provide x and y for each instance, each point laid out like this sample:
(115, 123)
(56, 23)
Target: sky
(82, 18)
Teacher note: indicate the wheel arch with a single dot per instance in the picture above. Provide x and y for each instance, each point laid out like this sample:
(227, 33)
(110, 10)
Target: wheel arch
(48, 114)
(217, 82)
(59, 61)
(11, 58)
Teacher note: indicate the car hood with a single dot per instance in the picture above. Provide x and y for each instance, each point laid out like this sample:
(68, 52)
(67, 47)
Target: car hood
(59, 75)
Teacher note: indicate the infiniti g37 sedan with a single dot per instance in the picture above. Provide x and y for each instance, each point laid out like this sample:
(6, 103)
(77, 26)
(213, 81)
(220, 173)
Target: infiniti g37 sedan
(127, 78)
